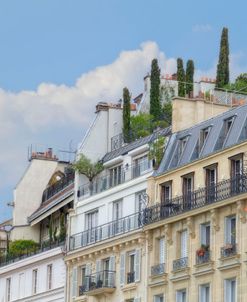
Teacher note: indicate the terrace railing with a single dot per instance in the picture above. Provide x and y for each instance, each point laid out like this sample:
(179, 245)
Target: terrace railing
(158, 269)
(179, 264)
(108, 181)
(203, 257)
(229, 250)
(106, 231)
(196, 199)
(58, 186)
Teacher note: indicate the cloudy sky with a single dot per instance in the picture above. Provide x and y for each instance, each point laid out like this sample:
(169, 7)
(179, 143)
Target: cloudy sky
(59, 58)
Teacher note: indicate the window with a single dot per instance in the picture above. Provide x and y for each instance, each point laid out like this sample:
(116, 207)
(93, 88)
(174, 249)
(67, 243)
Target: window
(205, 234)
(183, 244)
(181, 146)
(230, 230)
(141, 165)
(203, 136)
(230, 290)
(91, 224)
(227, 125)
(8, 289)
(181, 295)
(35, 281)
(83, 274)
(211, 181)
(134, 266)
(236, 173)
(166, 192)
(49, 276)
(158, 298)
(141, 201)
(188, 187)
(131, 274)
(117, 209)
(116, 176)
(21, 285)
(204, 293)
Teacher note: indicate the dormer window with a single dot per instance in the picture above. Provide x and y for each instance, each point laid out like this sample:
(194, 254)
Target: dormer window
(203, 136)
(182, 144)
(116, 176)
(228, 124)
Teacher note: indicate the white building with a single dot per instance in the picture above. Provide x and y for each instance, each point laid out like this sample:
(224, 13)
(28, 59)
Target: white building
(42, 200)
(105, 252)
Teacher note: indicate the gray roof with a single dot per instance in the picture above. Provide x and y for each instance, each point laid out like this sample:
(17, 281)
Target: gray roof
(137, 143)
(217, 139)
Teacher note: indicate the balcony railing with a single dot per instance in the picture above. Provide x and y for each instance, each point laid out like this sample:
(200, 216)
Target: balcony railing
(203, 257)
(58, 186)
(106, 231)
(130, 277)
(180, 263)
(196, 199)
(45, 246)
(99, 280)
(158, 269)
(109, 181)
(229, 250)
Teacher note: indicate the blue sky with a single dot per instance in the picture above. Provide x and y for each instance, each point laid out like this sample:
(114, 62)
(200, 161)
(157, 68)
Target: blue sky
(54, 55)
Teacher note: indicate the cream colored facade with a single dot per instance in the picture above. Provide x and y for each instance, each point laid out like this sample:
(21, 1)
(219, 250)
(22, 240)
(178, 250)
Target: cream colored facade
(220, 268)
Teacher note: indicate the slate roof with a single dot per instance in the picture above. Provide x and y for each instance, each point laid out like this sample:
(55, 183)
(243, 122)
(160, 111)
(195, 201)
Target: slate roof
(218, 139)
(136, 144)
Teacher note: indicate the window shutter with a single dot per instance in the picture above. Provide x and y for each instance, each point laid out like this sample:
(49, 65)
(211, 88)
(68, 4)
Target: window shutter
(98, 265)
(87, 274)
(111, 273)
(162, 253)
(122, 269)
(112, 263)
(137, 265)
(74, 282)
(184, 249)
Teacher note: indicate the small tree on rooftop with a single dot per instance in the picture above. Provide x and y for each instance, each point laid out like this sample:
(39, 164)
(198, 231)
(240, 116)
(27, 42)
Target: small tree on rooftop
(22, 247)
(222, 77)
(126, 115)
(84, 166)
(189, 77)
(180, 78)
(155, 104)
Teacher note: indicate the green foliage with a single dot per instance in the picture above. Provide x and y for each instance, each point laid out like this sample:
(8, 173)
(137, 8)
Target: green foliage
(222, 77)
(84, 166)
(240, 84)
(62, 233)
(156, 151)
(180, 78)
(189, 77)
(50, 229)
(21, 247)
(141, 125)
(167, 112)
(126, 115)
(155, 104)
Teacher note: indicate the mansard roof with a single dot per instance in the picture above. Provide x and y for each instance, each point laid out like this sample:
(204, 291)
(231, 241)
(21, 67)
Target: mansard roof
(223, 131)
(136, 144)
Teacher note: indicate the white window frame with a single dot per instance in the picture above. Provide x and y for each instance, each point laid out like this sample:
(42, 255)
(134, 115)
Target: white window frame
(179, 295)
(49, 276)
(157, 298)
(142, 162)
(228, 291)
(228, 236)
(202, 292)
(203, 227)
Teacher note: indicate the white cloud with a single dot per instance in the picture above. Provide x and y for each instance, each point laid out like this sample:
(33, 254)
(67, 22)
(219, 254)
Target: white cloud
(52, 109)
(202, 28)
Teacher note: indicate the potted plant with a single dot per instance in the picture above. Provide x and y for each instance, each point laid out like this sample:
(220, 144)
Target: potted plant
(201, 251)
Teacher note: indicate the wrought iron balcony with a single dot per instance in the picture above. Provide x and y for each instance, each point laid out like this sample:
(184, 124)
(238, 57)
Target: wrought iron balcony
(202, 257)
(197, 199)
(58, 186)
(158, 269)
(106, 231)
(98, 283)
(107, 180)
(130, 277)
(229, 250)
(180, 264)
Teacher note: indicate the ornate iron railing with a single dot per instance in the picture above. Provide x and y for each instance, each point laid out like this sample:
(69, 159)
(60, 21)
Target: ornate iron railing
(196, 199)
(58, 186)
(158, 269)
(228, 250)
(130, 277)
(106, 231)
(203, 257)
(108, 181)
(180, 263)
(102, 279)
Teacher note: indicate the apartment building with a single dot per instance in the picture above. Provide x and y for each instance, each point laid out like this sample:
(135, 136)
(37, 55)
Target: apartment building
(197, 221)
(42, 201)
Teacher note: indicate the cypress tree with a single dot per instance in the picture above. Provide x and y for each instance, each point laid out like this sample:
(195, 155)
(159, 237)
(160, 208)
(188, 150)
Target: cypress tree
(180, 78)
(126, 115)
(155, 104)
(189, 77)
(222, 77)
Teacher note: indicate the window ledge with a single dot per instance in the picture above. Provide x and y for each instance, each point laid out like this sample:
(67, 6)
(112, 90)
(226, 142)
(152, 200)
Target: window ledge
(80, 299)
(129, 286)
